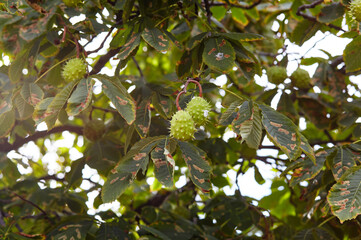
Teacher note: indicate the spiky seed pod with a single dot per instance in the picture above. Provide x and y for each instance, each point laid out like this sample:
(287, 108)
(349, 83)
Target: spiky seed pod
(276, 74)
(300, 78)
(94, 129)
(72, 3)
(198, 108)
(355, 10)
(182, 126)
(74, 69)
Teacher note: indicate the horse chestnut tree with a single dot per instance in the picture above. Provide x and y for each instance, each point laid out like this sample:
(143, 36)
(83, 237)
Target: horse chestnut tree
(136, 119)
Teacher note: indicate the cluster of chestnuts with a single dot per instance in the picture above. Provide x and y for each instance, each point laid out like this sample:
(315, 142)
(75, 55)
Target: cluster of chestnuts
(184, 122)
(299, 78)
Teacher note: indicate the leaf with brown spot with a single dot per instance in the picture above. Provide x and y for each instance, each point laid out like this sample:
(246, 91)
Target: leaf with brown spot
(163, 163)
(345, 196)
(143, 118)
(219, 54)
(199, 169)
(342, 160)
(155, 38)
(282, 132)
(314, 111)
(80, 98)
(121, 99)
(124, 173)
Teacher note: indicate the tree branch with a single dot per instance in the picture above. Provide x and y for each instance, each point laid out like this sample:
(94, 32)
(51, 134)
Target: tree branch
(313, 19)
(103, 60)
(238, 5)
(36, 206)
(7, 147)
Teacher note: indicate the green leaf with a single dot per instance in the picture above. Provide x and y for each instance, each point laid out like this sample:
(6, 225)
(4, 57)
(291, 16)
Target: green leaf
(76, 230)
(248, 124)
(331, 12)
(239, 16)
(196, 40)
(127, 9)
(281, 131)
(304, 31)
(7, 121)
(184, 65)
(229, 115)
(124, 173)
(102, 155)
(24, 109)
(111, 230)
(163, 163)
(80, 98)
(345, 196)
(58, 103)
(198, 167)
(122, 101)
(32, 93)
(343, 159)
(219, 54)
(314, 111)
(155, 38)
(314, 234)
(307, 149)
(131, 44)
(142, 122)
(155, 232)
(352, 55)
(243, 37)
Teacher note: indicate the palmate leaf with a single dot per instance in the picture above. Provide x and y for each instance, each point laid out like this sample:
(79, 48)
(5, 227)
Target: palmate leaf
(124, 173)
(219, 54)
(6, 104)
(229, 115)
(345, 196)
(163, 164)
(111, 230)
(199, 169)
(282, 132)
(80, 98)
(52, 112)
(155, 38)
(118, 95)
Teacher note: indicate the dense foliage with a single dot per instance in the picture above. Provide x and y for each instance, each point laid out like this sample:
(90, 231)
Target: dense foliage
(73, 140)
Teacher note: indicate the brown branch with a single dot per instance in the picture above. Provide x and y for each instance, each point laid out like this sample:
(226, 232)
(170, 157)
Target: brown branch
(103, 60)
(34, 205)
(103, 42)
(208, 10)
(313, 19)
(138, 67)
(238, 5)
(7, 147)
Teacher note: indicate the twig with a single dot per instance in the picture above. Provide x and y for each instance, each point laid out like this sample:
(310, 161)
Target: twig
(138, 67)
(311, 18)
(103, 42)
(237, 5)
(7, 147)
(208, 10)
(103, 60)
(105, 109)
(34, 205)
